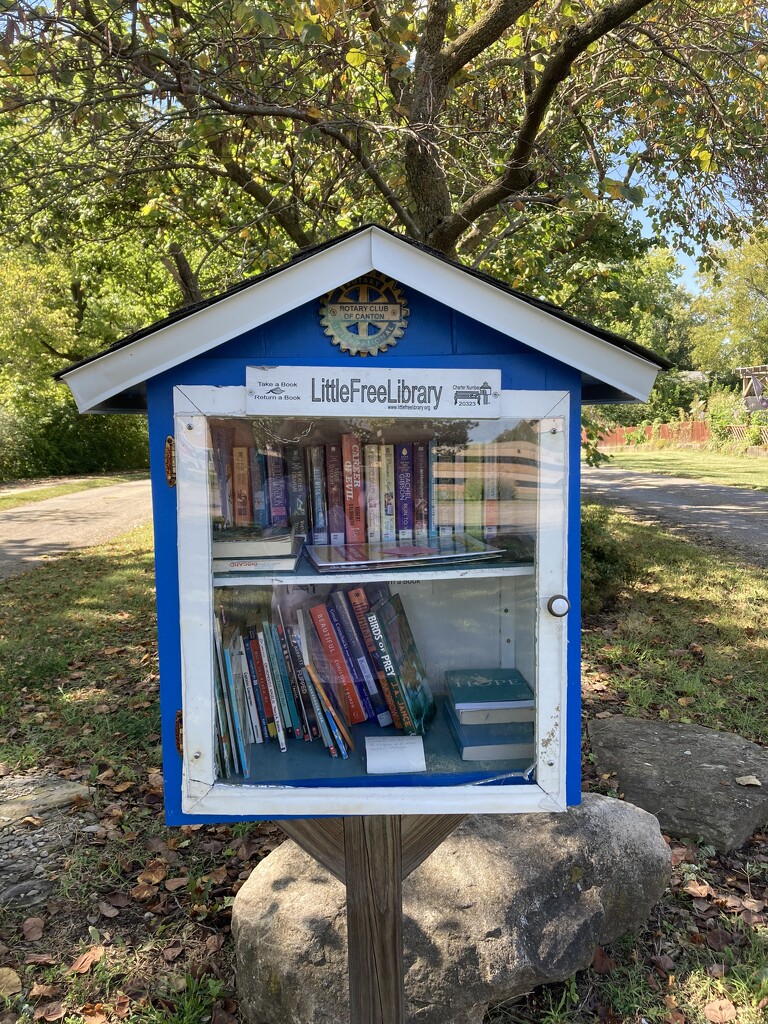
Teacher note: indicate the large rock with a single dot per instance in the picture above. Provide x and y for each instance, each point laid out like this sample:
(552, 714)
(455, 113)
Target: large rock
(687, 776)
(505, 904)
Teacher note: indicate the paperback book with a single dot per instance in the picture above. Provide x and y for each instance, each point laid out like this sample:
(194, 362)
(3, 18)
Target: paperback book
(501, 742)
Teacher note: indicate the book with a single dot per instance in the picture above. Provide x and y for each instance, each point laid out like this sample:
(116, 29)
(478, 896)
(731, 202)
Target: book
(253, 672)
(459, 492)
(253, 542)
(223, 724)
(335, 487)
(294, 712)
(443, 490)
(360, 604)
(318, 499)
(490, 493)
(404, 491)
(268, 565)
(486, 689)
(372, 464)
(296, 479)
(354, 493)
(272, 691)
(277, 490)
(387, 493)
(241, 485)
(277, 679)
(222, 443)
(337, 664)
(336, 744)
(258, 467)
(222, 676)
(357, 655)
(421, 491)
(310, 709)
(237, 714)
(248, 688)
(434, 459)
(400, 554)
(402, 664)
(511, 741)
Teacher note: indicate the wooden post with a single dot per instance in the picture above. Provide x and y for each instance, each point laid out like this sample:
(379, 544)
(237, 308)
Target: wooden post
(373, 855)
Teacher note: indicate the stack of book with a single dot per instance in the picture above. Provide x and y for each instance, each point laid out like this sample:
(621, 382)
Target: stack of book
(490, 714)
(314, 671)
(255, 549)
(350, 492)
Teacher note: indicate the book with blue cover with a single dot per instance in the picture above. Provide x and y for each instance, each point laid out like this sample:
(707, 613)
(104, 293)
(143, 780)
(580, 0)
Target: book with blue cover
(511, 741)
(487, 689)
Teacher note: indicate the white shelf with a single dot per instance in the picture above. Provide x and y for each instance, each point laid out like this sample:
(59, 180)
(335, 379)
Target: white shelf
(453, 572)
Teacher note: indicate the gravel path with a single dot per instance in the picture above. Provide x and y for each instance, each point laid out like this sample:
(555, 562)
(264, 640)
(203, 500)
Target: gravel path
(48, 528)
(732, 518)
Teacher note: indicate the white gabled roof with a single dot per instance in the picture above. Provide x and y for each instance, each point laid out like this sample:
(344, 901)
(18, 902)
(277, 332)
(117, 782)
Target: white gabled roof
(106, 382)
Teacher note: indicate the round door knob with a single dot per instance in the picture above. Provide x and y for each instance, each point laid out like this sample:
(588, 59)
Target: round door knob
(559, 605)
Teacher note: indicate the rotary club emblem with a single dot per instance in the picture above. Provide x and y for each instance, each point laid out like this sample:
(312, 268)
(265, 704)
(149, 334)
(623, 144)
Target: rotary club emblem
(366, 316)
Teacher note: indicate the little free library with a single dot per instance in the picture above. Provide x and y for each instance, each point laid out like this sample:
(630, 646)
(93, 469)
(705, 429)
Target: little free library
(365, 482)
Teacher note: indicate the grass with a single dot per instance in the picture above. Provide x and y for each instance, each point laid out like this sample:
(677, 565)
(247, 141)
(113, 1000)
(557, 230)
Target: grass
(695, 464)
(57, 489)
(79, 697)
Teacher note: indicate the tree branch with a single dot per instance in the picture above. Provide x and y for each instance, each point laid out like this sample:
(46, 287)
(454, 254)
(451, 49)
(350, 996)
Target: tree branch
(486, 30)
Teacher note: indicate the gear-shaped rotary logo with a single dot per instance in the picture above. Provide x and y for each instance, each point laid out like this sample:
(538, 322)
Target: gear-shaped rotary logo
(365, 316)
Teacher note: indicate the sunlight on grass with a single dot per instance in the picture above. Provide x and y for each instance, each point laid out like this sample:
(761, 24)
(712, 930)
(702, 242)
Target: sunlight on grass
(15, 499)
(694, 464)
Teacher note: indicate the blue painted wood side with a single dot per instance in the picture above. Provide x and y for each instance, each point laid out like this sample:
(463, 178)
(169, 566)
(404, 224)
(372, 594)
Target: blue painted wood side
(436, 337)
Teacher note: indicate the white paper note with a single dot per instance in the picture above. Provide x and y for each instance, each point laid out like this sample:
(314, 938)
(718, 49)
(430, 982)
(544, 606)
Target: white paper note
(387, 755)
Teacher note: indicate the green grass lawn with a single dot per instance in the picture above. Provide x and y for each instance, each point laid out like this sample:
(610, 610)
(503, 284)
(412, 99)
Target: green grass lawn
(57, 488)
(79, 698)
(710, 467)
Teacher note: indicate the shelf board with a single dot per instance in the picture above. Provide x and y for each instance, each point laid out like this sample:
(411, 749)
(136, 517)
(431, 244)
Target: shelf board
(305, 573)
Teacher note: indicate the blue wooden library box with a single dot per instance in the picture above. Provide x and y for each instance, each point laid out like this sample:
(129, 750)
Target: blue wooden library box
(365, 480)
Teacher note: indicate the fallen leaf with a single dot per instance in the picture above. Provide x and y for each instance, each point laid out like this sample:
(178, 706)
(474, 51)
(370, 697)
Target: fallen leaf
(748, 780)
(220, 1016)
(675, 1017)
(123, 787)
(143, 892)
(31, 821)
(172, 884)
(719, 939)
(604, 714)
(10, 982)
(170, 953)
(720, 1011)
(86, 960)
(665, 963)
(217, 876)
(33, 929)
(51, 1011)
(40, 958)
(4, 770)
(755, 905)
(93, 1013)
(122, 1006)
(214, 943)
(716, 970)
(107, 909)
(118, 899)
(698, 889)
(44, 991)
(153, 873)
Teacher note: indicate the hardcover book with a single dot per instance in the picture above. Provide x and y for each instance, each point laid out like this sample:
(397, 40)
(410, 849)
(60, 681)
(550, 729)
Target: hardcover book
(421, 491)
(387, 493)
(258, 467)
(350, 633)
(360, 604)
(372, 461)
(513, 741)
(253, 542)
(484, 689)
(400, 554)
(354, 494)
(404, 491)
(319, 505)
(296, 478)
(241, 485)
(276, 487)
(338, 666)
(335, 487)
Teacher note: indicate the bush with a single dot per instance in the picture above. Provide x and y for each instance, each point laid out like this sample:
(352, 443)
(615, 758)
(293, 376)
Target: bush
(606, 565)
(44, 435)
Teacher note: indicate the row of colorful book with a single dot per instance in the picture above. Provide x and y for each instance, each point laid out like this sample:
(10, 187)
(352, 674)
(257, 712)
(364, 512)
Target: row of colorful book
(352, 492)
(490, 714)
(312, 671)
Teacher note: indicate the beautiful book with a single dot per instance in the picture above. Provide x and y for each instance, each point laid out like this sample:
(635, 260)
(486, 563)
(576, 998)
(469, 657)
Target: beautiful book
(241, 487)
(421, 491)
(338, 666)
(334, 471)
(512, 741)
(387, 493)
(277, 489)
(354, 647)
(318, 497)
(400, 554)
(484, 689)
(253, 542)
(372, 464)
(258, 468)
(402, 664)
(296, 478)
(354, 493)
(358, 599)
(404, 491)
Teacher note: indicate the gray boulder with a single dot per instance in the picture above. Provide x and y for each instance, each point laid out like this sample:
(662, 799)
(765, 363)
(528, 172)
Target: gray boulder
(687, 776)
(506, 903)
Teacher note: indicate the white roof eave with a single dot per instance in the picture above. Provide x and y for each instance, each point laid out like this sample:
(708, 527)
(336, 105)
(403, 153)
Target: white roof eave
(95, 382)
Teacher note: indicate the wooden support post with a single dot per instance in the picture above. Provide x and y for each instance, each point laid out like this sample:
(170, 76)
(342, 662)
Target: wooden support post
(373, 854)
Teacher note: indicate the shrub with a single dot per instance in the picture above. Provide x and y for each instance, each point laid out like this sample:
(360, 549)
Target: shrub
(607, 567)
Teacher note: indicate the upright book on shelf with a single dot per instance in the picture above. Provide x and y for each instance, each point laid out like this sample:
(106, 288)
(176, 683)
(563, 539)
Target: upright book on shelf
(421, 491)
(337, 525)
(372, 462)
(318, 495)
(387, 493)
(354, 493)
(404, 491)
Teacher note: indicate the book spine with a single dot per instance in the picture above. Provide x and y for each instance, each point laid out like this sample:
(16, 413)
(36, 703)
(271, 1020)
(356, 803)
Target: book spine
(296, 478)
(459, 493)
(490, 493)
(258, 486)
(324, 712)
(355, 651)
(244, 711)
(222, 440)
(387, 492)
(277, 490)
(390, 673)
(261, 675)
(241, 487)
(444, 492)
(338, 746)
(360, 606)
(404, 491)
(329, 641)
(222, 674)
(277, 679)
(319, 505)
(434, 473)
(272, 692)
(354, 495)
(310, 712)
(224, 729)
(236, 715)
(421, 491)
(248, 687)
(372, 461)
(350, 660)
(288, 683)
(335, 486)
(251, 661)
